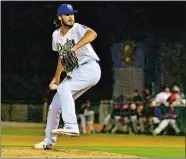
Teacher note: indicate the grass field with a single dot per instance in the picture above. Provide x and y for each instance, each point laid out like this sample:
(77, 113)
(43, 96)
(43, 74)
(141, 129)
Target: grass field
(17, 138)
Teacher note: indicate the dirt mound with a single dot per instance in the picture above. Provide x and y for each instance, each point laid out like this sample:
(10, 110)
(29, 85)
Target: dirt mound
(58, 153)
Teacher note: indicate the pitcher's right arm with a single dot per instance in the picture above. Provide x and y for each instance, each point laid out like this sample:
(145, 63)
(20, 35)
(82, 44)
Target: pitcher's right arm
(59, 70)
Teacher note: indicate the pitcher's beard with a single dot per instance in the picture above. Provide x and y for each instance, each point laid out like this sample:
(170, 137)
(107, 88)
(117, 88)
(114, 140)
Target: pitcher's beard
(67, 25)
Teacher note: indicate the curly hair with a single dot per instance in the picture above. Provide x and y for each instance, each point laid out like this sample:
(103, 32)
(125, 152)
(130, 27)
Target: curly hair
(57, 23)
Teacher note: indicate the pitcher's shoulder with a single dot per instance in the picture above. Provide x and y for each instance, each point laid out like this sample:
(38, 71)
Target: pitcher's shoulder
(56, 32)
(76, 24)
(79, 25)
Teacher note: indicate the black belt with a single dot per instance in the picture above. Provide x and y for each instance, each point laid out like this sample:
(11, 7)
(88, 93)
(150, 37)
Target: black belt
(87, 62)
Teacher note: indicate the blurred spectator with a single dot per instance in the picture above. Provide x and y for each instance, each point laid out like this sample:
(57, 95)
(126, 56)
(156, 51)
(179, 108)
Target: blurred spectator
(141, 114)
(146, 95)
(115, 118)
(121, 99)
(169, 118)
(89, 112)
(82, 118)
(106, 105)
(105, 123)
(86, 111)
(133, 117)
(107, 116)
(161, 98)
(125, 116)
(136, 97)
(153, 115)
(176, 97)
(143, 111)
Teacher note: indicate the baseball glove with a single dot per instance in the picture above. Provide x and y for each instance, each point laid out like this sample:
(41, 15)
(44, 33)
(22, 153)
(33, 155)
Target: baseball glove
(68, 58)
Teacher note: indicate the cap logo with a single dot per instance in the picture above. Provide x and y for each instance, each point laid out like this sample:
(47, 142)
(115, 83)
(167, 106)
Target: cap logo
(69, 6)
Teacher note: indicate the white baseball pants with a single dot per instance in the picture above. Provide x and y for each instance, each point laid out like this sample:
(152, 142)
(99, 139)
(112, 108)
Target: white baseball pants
(152, 122)
(106, 120)
(90, 115)
(165, 123)
(82, 79)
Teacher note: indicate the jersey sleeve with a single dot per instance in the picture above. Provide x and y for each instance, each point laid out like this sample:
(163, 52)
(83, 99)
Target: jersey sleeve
(54, 43)
(157, 98)
(82, 29)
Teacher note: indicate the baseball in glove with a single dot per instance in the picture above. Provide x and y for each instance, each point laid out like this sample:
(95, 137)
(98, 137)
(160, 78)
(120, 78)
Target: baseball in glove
(68, 58)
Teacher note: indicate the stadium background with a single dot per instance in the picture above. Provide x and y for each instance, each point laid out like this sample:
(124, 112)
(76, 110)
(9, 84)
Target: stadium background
(28, 63)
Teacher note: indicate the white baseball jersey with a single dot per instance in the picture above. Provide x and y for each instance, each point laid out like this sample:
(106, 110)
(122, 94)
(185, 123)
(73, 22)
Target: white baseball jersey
(162, 97)
(74, 35)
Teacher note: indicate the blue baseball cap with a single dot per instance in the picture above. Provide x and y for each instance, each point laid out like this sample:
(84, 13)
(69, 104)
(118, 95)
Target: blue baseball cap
(65, 9)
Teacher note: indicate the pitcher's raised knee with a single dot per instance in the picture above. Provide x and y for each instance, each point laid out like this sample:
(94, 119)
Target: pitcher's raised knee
(63, 89)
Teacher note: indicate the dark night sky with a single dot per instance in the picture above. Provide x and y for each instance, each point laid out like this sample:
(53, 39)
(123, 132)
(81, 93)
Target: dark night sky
(27, 31)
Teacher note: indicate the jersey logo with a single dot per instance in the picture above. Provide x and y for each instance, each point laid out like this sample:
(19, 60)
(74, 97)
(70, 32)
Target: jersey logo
(71, 42)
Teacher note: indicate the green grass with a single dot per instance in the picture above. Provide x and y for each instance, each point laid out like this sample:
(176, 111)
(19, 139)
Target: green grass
(21, 132)
(130, 136)
(41, 133)
(158, 152)
(140, 151)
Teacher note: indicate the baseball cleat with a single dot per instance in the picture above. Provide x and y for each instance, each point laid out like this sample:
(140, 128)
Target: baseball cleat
(68, 130)
(43, 145)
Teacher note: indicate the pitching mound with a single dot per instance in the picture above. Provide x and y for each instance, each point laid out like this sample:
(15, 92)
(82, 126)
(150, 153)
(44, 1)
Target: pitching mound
(58, 153)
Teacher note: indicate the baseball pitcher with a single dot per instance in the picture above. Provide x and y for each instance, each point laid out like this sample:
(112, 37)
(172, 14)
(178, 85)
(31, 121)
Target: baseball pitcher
(78, 59)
